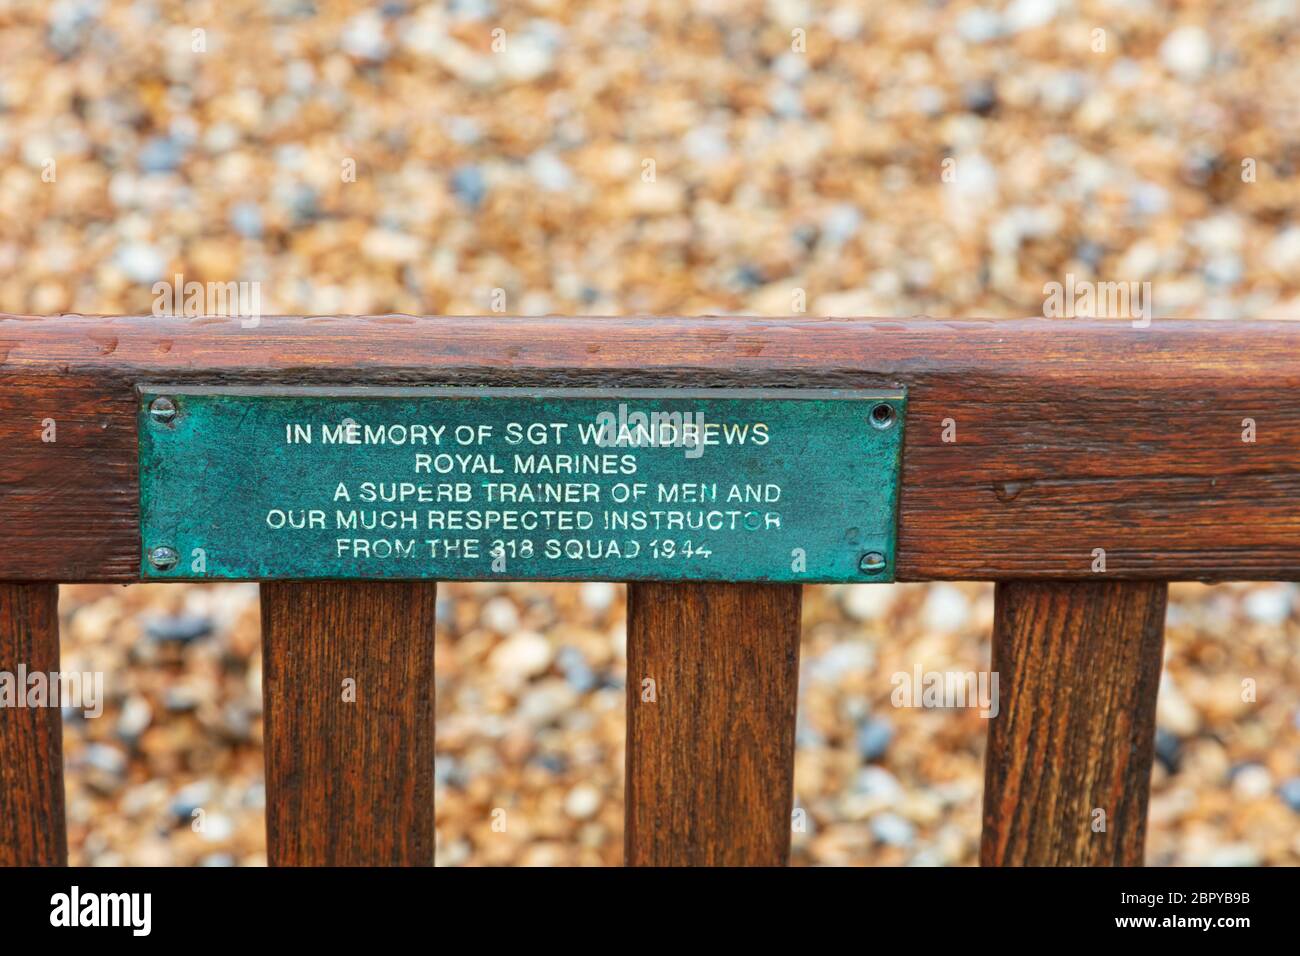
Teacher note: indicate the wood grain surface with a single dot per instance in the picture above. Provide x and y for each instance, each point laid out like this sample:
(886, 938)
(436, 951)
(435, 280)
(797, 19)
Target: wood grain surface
(349, 783)
(1078, 667)
(1067, 436)
(710, 743)
(32, 827)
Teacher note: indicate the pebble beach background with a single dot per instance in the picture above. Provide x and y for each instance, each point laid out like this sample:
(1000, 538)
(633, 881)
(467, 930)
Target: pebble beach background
(622, 156)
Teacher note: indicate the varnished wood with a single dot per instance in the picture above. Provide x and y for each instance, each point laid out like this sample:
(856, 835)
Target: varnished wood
(349, 783)
(710, 759)
(1069, 435)
(1078, 667)
(32, 827)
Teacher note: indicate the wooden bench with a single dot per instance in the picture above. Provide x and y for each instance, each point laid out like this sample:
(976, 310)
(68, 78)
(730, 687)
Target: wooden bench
(1079, 464)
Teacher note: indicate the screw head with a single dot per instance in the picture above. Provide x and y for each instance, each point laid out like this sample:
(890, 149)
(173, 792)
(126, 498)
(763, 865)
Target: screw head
(882, 416)
(164, 558)
(162, 410)
(872, 562)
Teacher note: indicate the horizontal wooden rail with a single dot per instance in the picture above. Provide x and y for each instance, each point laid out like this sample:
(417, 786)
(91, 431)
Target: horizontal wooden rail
(1035, 448)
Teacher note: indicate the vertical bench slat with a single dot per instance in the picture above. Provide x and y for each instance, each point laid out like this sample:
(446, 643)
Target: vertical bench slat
(710, 760)
(32, 827)
(349, 783)
(1078, 666)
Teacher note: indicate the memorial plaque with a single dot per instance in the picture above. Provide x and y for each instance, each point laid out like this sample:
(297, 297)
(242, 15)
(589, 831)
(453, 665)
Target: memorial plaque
(519, 483)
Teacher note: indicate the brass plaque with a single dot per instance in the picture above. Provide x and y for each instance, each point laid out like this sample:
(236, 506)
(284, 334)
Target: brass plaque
(519, 483)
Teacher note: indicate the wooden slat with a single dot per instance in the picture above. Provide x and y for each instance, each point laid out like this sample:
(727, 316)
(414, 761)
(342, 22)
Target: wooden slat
(32, 827)
(710, 760)
(349, 783)
(1065, 432)
(1078, 667)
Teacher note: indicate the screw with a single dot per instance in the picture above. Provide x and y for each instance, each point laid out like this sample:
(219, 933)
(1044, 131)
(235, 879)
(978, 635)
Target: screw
(164, 558)
(162, 410)
(882, 416)
(872, 562)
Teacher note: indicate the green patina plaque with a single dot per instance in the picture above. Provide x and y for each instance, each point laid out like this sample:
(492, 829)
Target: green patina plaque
(519, 483)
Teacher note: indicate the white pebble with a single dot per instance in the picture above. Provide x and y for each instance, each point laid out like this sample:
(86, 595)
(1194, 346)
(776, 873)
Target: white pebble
(1270, 604)
(879, 783)
(1284, 252)
(840, 659)
(891, 829)
(526, 58)
(597, 596)
(1173, 712)
(946, 608)
(525, 654)
(707, 144)
(549, 171)
(135, 718)
(845, 22)
(363, 37)
(547, 702)
(1142, 260)
(868, 602)
(500, 615)
(583, 802)
(217, 828)
(1028, 14)
(1252, 782)
(979, 25)
(141, 263)
(1186, 52)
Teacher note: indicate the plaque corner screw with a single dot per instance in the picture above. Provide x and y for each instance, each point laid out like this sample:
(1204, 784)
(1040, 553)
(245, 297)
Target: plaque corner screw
(872, 562)
(164, 558)
(883, 416)
(162, 410)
